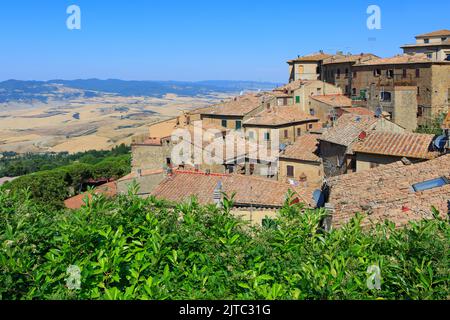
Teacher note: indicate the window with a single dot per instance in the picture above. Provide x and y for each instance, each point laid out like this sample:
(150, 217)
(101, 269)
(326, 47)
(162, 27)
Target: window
(390, 73)
(312, 112)
(251, 135)
(444, 39)
(266, 136)
(354, 91)
(385, 96)
(169, 161)
(377, 72)
(297, 99)
(420, 111)
(290, 171)
(346, 73)
(405, 73)
(310, 126)
(338, 75)
(418, 91)
(300, 69)
(286, 134)
(299, 132)
(355, 74)
(252, 168)
(426, 40)
(238, 125)
(347, 89)
(430, 184)
(285, 101)
(224, 123)
(417, 73)
(430, 55)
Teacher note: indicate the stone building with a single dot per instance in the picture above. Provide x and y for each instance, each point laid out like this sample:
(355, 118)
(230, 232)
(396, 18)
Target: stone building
(300, 163)
(436, 45)
(307, 67)
(336, 143)
(389, 82)
(380, 148)
(327, 107)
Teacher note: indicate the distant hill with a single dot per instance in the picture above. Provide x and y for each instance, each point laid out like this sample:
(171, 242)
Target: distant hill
(43, 91)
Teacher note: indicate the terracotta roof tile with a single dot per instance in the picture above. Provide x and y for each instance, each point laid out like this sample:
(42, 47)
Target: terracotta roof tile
(314, 57)
(249, 190)
(238, 106)
(438, 33)
(385, 193)
(108, 190)
(350, 58)
(280, 116)
(348, 128)
(399, 59)
(410, 145)
(335, 100)
(304, 148)
(359, 111)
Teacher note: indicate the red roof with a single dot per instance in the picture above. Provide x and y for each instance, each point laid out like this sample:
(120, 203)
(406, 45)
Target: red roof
(108, 190)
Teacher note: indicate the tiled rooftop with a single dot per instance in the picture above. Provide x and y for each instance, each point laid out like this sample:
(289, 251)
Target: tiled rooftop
(386, 193)
(280, 116)
(335, 100)
(399, 59)
(249, 190)
(348, 128)
(108, 190)
(311, 57)
(350, 58)
(304, 148)
(410, 145)
(438, 33)
(359, 111)
(238, 106)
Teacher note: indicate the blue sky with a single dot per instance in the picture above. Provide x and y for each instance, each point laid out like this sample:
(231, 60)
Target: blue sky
(197, 39)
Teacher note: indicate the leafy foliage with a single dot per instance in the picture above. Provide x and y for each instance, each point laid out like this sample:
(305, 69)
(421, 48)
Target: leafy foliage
(133, 248)
(14, 165)
(52, 187)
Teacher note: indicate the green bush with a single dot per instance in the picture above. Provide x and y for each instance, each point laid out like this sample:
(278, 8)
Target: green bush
(133, 248)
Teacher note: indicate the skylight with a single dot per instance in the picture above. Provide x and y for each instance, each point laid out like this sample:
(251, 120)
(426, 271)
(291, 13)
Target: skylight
(430, 184)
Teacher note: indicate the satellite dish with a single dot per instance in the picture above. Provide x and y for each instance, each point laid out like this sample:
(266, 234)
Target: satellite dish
(319, 198)
(441, 142)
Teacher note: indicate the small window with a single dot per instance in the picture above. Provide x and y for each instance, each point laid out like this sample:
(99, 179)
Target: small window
(346, 73)
(426, 40)
(390, 73)
(224, 123)
(299, 132)
(377, 72)
(429, 55)
(417, 73)
(405, 73)
(310, 126)
(312, 112)
(386, 96)
(338, 75)
(354, 91)
(290, 171)
(238, 125)
(430, 184)
(286, 134)
(266, 136)
(355, 74)
(418, 91)
(444, 39)
(251, 135)
(169, 161)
